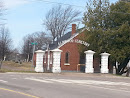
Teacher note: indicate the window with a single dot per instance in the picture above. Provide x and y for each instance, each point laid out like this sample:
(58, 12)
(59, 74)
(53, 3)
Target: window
(67, 57)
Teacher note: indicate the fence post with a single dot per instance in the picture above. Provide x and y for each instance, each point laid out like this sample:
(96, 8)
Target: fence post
(56, 61)
(104, 62)
(89, 61)
(39, 61)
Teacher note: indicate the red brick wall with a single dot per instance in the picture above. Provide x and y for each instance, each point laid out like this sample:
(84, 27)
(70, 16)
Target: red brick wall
(73, 56)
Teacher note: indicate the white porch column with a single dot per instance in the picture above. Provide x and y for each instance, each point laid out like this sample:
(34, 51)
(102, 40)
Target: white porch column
(56, 61)
(89, 61)
(104, 62)
(39, 61)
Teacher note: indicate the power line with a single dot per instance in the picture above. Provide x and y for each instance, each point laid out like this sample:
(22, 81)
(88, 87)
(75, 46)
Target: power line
(73, 5)
(60, 3)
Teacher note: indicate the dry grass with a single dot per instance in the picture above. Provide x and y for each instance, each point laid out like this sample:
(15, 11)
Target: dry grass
(23, 64)
(10, 66)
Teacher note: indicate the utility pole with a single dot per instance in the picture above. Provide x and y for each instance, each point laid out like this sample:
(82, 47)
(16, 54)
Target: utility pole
(34, 45)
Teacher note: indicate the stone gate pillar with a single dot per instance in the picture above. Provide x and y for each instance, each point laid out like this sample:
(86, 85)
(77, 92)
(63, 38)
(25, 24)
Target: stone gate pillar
(39, 61)
(89, 61)
(56, 61)
(104, 62)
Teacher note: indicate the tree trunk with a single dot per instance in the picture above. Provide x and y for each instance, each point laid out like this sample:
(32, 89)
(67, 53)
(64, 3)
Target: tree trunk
(0, 64)
(28, 58)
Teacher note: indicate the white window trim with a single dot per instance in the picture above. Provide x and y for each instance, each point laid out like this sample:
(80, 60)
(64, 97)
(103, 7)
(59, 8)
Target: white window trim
(66, 63)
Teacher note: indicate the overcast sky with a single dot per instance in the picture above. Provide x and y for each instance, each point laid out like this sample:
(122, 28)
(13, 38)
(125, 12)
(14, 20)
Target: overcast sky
(26, 16)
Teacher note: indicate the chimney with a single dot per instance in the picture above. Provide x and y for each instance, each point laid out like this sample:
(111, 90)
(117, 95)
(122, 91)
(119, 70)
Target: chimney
(73, 29)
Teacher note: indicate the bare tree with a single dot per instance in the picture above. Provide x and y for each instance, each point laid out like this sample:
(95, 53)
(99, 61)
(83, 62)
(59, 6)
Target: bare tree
(26, 48)
(5, 43)
(13, 55)
(1, 13)
(41, 39)
(38, 37)
(58, 20)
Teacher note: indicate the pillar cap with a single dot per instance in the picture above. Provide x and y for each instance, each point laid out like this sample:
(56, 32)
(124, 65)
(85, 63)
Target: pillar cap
(89, 52)
(39, 51)
(105, 54)
(56, 50)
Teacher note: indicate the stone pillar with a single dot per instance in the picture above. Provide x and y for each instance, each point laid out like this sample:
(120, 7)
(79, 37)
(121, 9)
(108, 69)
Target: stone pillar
(104, 62)
(56, 61)
(39, 61)
(89, 61)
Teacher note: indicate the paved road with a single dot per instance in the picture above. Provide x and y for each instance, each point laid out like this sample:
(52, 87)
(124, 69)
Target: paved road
(66, 85)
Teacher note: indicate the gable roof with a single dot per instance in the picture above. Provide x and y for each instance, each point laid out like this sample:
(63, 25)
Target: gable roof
(67, 40)
(57, 44)
(63, 40)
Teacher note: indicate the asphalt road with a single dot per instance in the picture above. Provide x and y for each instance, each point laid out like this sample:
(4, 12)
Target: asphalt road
(65, 85)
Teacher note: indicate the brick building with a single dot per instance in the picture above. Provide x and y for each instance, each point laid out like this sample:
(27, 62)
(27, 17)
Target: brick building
(70, 57)
(63, 55)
